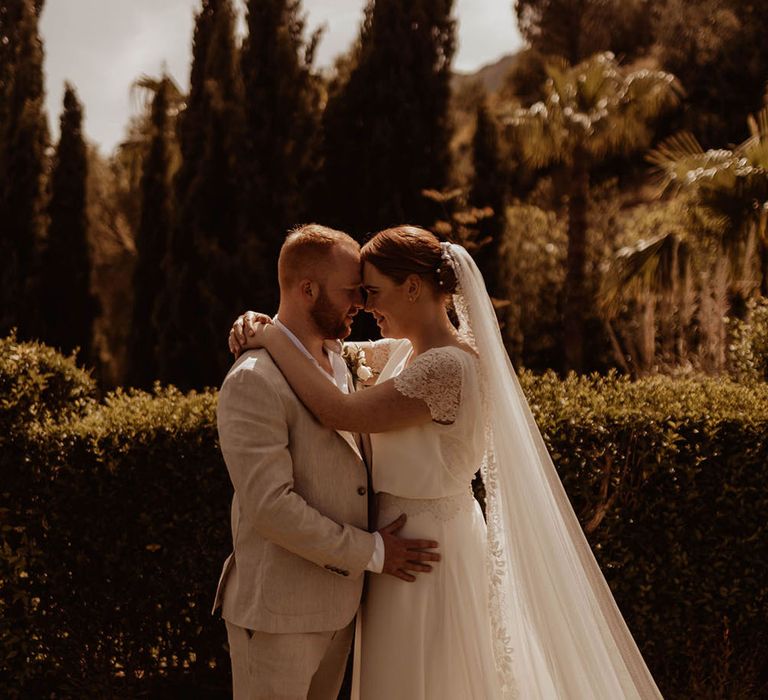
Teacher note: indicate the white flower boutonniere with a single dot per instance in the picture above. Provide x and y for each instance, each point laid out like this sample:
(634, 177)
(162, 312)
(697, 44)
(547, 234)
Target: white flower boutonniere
(354, 356)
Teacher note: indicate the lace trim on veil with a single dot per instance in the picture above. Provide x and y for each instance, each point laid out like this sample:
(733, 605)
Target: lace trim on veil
(498, 602)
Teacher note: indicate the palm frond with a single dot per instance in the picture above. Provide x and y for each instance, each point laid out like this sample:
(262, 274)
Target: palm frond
(556, 70)
(656, 265)
(592, 110)
(145, 87)
(758, 124)
(755, 148)
(678, 147)
(530, 130)
(682, 163)
(651, 92)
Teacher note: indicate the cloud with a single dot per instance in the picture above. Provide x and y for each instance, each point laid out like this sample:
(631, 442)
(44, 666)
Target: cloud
(102, 47)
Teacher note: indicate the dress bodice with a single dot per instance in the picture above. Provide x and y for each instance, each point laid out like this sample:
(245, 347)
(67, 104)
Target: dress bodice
(439, 458)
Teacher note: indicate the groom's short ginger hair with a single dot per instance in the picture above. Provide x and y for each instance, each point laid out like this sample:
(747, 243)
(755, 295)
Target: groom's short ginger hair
(306, 252)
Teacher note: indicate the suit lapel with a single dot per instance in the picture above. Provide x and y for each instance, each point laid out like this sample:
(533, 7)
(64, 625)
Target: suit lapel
(347, 436)
(336, 347)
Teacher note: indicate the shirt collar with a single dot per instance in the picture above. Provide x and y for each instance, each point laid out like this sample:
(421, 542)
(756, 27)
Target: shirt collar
(293, 338)
(329, 344)
(333, 347)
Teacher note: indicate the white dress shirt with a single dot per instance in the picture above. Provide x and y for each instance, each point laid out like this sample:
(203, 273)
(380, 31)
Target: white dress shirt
(340, 378)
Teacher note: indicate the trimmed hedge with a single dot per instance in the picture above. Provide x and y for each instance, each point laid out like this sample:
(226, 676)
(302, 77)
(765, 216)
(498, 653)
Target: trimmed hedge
(674, 472)
(108, 592)
(39, 388)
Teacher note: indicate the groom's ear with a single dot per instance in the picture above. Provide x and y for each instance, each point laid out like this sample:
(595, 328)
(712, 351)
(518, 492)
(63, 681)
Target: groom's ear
(309, 290)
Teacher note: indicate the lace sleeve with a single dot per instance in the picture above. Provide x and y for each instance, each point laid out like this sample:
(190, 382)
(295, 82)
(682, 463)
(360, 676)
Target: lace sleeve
(435, 377)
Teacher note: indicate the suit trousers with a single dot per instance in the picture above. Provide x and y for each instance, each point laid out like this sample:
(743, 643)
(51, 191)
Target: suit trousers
(293, 666)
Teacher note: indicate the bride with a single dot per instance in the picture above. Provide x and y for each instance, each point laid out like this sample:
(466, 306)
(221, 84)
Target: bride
(518, 607)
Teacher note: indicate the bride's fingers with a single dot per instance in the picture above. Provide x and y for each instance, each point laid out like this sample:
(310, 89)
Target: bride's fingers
(400, 573)
(239, 329)
(252, 321)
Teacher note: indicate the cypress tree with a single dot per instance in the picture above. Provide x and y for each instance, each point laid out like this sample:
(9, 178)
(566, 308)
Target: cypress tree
(68, 307)
(386, 126)
(488, 191)
(23, 140)
(202, 265)
(151, 243)
(282, 115)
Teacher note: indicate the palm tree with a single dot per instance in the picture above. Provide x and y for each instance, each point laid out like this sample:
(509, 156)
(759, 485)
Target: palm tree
(730, 186)
(655, 270)
(723, 218)
(130, 153)
(591, 111)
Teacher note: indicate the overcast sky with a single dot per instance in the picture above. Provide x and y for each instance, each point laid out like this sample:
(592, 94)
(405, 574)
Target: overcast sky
(101, 46)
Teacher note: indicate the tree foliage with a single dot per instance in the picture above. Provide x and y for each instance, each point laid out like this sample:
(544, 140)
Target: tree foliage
(592, 110)
(718, 51)
(152, 240)
(386, 124)
(202, 267)
(23, 140)
(729, 185)
(489, 190)
(576, 29)
(282, 98)
(68, 307)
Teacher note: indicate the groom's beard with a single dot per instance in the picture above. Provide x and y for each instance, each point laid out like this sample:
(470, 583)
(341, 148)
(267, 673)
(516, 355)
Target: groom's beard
(330, 321)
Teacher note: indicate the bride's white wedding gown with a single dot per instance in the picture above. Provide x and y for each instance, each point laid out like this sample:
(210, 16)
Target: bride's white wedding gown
(431, 639)
(517, 609)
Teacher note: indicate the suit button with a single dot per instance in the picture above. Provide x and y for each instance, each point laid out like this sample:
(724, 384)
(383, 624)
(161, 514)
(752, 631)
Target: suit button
(361, 490)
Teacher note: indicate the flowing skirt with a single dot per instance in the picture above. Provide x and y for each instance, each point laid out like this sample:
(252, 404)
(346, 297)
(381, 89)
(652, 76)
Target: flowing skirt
(431, 639)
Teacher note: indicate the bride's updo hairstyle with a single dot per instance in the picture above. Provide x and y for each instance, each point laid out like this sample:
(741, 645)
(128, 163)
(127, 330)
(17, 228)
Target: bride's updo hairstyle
(409, 250)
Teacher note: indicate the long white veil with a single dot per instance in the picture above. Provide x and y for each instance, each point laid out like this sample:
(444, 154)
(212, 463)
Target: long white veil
(557, 630)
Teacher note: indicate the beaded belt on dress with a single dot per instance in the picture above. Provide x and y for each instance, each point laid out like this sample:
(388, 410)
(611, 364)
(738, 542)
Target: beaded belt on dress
(441, 508)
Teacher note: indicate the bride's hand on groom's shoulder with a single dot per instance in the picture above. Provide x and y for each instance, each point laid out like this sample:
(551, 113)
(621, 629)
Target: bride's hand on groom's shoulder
(242, 336)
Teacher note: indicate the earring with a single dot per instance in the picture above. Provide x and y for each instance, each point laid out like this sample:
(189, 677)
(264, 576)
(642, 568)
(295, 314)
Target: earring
(411, 299)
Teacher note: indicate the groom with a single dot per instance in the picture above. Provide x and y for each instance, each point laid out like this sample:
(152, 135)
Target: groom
(290, 589)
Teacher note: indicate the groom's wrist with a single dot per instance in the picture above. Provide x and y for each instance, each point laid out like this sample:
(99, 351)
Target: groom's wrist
(376, 563)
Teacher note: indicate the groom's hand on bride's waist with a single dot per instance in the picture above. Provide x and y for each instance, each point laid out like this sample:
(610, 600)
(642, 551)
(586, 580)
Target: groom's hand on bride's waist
(402, 557)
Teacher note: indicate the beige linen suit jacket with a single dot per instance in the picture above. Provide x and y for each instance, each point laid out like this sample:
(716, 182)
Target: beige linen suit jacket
(300, 509)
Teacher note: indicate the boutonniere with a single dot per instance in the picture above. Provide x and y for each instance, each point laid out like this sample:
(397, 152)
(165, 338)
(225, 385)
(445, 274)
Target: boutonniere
(354, 356)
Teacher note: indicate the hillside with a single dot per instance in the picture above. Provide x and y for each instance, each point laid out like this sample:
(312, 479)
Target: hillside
(491, 76)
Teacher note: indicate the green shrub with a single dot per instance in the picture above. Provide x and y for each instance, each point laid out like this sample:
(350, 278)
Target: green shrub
(534, 267)
(132, 525)
(748, 349)
(668, 477)
(135, 532)
(38, 389)
(38, 385)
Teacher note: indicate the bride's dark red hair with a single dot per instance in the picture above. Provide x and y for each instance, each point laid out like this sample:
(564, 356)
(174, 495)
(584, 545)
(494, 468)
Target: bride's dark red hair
(409, 250)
